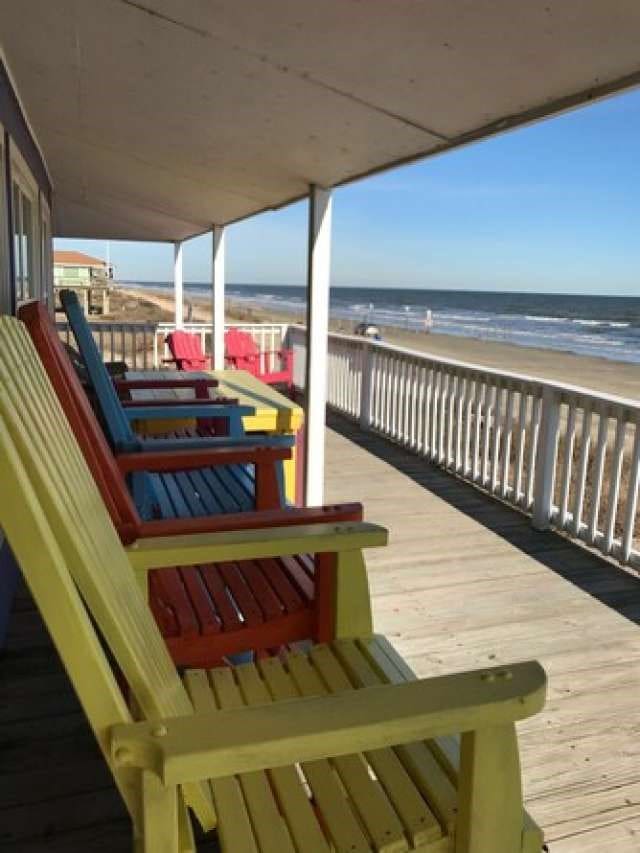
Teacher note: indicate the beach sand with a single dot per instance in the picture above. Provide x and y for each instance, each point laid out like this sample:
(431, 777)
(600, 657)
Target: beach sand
(598, 374)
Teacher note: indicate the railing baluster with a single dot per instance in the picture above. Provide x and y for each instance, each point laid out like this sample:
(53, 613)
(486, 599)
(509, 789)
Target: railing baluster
(453, 392)
(567, 468)
(461, 389)
(435, 415)
(442, 418)
(467, 462)
(489, 418)
(428, 412)
(632, 497)
(583, 468)
(506, 443)
(615, 474)
(534, 429)
(477, 428)
(598, 473)
(495, 439)
(522, 438)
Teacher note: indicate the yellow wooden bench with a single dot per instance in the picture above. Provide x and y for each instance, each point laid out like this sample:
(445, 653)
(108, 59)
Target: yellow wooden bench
(284, 755)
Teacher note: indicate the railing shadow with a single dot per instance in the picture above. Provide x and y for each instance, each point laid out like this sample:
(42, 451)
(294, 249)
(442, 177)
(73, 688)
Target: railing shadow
(600, 578)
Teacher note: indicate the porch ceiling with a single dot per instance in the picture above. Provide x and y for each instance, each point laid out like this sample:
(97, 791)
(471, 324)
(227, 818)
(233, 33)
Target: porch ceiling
(160, 117)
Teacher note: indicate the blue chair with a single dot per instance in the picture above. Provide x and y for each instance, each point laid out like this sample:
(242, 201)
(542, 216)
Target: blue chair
(223, 489)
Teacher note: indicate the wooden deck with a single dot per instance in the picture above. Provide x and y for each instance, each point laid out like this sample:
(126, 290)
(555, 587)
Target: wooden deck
(464, 582)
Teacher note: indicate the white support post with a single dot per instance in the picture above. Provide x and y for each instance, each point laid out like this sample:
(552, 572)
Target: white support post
(217, 287)
(177, 285)
(545, 470)
(318, 282)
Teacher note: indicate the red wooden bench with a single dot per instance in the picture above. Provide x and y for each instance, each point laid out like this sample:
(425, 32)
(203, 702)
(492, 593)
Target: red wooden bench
(204, 612)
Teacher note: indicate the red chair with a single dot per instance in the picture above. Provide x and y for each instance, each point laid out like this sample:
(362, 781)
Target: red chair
(242, 353)
(186, 350)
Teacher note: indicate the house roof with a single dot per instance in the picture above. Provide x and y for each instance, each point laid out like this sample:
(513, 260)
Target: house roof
(158, 117)
(76, 259)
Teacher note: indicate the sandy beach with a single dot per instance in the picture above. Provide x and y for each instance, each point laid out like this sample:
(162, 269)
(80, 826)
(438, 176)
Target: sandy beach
(599, 374)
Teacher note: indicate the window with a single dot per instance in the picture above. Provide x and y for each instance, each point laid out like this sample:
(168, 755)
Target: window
(25, 230)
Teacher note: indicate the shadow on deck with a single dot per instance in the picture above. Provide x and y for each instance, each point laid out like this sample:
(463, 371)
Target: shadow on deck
(607, 582)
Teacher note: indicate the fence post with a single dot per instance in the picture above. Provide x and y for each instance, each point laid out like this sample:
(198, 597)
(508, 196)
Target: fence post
(366, 385)
(545, 466)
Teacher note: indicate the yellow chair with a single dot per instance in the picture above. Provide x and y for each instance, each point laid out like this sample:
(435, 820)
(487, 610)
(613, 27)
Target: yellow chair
(283, 755)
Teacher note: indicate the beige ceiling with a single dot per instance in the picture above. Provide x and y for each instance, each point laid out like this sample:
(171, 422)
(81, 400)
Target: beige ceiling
(158, 118)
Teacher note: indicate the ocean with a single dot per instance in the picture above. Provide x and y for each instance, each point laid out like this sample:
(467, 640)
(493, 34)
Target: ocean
(604, 326)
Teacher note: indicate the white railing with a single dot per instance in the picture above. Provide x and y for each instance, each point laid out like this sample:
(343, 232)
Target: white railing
(269, 338)
(566, 455)
(131, 343)
(142, 345)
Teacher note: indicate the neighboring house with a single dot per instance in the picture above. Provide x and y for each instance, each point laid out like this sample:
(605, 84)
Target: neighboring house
(89, 277)
(75, 269)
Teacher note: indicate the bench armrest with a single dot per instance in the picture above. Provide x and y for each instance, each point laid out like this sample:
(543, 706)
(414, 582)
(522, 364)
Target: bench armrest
(188, 460)
(294, 516)
(156, 553)
(191, 409)
(242, 740)
(170, 445)
(160, 384)
(172, 401)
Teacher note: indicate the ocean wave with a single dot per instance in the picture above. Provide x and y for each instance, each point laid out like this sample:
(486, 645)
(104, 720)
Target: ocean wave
(541, 319)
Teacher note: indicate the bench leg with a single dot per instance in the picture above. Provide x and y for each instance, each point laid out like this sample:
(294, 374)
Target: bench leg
(491, 814)
(160, 816)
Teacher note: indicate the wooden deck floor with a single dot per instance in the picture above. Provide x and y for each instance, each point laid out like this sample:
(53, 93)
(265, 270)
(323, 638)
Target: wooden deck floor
(465, 582)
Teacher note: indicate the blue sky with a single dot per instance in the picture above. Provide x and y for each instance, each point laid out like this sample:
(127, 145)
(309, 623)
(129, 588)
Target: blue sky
(554, 207)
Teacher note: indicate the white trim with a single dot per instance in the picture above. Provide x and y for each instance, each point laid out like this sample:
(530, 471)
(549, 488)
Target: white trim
(178, 290)
(217, 294)
(22, 176)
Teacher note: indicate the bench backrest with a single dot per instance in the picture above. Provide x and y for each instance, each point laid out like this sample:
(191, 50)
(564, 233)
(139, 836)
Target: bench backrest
(117, 425)
(240, 344)
(80, 415)
(186, 349)
(60, 532)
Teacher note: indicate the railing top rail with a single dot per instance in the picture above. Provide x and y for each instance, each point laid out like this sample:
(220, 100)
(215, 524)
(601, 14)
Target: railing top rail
(533, 383)
(190, 325)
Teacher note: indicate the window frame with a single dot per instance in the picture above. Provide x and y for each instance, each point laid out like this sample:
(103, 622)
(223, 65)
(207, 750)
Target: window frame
(22, 178)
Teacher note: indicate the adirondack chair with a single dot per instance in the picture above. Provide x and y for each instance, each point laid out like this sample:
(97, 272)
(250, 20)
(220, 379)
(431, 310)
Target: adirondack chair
(118, 417)
(207, 612)
(187, 352)
(242, 353)
(184, 494)
(335, 748)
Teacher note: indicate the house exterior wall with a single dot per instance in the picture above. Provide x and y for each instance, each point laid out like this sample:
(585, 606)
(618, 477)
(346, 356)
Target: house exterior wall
(78, 275)
(25, 249)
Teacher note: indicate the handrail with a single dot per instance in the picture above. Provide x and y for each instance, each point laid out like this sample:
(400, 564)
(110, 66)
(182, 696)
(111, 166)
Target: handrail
(142, 345)
(567, 455)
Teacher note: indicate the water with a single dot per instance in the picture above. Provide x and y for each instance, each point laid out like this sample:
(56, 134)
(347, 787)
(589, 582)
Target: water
(604, 326)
